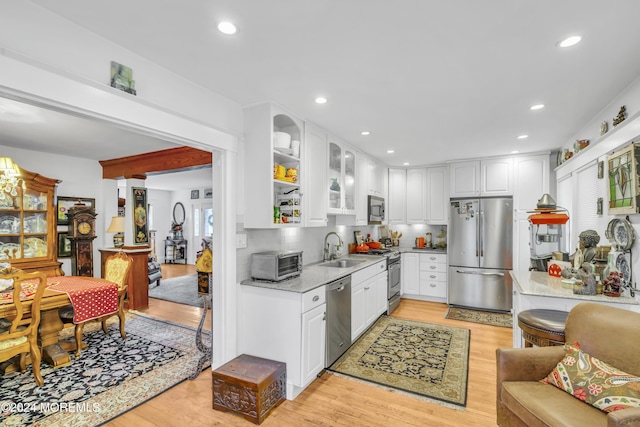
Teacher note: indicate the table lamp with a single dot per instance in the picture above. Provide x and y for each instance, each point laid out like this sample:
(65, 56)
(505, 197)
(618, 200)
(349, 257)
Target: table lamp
(117, 226)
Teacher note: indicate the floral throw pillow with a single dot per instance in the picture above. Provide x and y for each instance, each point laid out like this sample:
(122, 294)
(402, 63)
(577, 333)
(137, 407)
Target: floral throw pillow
(594, 382)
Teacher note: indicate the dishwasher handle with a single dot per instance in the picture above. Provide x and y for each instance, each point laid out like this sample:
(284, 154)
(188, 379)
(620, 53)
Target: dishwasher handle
(339, 285)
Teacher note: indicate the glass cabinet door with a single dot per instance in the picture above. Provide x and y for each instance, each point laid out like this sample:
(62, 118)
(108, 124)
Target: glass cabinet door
(335, 176)
(349, 180)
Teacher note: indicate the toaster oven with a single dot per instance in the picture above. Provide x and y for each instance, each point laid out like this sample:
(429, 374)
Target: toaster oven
(275, 266)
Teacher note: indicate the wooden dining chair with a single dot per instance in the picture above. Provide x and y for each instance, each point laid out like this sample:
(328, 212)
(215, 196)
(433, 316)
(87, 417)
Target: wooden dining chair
(116, 268)
(19, 333)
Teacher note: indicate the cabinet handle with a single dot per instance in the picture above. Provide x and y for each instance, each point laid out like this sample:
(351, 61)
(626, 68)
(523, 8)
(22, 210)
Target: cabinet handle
(316, 298)
(433, 267)
(433, 276)
(324, 316)
(433, 285)
(366, 288)
(432, 258)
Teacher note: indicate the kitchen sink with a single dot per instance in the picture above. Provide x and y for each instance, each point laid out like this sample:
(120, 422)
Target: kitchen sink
(341, 263)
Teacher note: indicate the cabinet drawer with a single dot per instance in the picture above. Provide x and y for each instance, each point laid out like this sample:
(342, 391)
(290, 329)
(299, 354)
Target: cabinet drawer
(368, 272)
(433, 289)
(429, 267)
(433, 276)
(313, 298)
(433, 258)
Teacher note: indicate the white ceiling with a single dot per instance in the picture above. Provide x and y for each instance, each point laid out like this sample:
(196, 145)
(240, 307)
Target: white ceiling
(432, 80)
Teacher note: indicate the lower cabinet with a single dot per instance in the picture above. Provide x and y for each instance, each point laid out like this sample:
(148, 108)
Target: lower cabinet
(287, 327)
(424, 276)
(368, 297)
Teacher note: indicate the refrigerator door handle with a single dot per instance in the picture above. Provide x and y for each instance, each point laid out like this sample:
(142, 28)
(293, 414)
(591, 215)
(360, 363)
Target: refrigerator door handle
(480, 273)
(481, 232)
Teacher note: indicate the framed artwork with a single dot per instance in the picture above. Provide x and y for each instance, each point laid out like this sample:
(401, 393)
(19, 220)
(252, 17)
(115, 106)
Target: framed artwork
(208, 193)
(64, 244)
(623, 180)
(140, 226)
(195, 194)
(64, 203)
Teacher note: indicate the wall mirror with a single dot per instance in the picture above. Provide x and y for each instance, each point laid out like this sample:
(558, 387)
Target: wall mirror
(178, 213)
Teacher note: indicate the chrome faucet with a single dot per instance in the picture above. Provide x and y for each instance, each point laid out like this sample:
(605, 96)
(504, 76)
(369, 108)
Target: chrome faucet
(328, 256)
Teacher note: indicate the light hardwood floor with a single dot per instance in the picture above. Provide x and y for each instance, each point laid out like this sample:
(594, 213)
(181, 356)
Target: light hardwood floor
(335, 401)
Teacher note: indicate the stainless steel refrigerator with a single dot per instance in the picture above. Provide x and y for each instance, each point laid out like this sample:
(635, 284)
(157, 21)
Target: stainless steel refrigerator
(480, 253)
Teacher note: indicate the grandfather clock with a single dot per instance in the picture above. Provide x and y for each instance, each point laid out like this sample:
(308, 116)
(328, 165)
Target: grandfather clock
(82, 231)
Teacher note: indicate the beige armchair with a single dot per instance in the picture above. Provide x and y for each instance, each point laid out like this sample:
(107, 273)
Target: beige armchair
(610, 334)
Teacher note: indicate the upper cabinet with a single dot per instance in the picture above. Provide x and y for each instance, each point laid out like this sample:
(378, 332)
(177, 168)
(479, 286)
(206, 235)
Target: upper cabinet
(274, 143)
(28, 237)
(397, 202)
(490, 177)
(375, 179)
(315, 186)
(416, 195)
(341, 178)
(437, 195)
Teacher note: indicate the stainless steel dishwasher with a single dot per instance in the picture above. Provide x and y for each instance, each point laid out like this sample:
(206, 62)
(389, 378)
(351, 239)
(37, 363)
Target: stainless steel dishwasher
(338, 319)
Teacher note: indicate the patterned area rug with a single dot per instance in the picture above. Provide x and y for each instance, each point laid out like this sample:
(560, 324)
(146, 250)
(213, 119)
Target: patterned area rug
(111, 376)
(183, 290)
(420, 358)
(478, 316)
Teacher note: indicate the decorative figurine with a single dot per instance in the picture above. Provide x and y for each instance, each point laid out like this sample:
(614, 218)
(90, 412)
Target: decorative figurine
(620, 117)
(604, 127)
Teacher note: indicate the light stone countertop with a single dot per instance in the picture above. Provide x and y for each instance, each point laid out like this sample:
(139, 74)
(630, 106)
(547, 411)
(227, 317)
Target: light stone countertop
(403, 249)
(539, 283)
(315, 275)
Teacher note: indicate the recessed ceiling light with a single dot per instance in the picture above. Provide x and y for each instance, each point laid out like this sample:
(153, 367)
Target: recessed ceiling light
(365, 133)
(227, 28)
(523, 136)
(570, 41)
(515, 152)
(537, 107)
(390, 151)
(321, 100)
(405, 164)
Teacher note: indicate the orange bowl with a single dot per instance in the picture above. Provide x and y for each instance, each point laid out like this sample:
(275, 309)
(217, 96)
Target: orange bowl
(374, 245)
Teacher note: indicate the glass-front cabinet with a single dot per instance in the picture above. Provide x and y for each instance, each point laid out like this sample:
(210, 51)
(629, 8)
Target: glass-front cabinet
(341, 179)
(28, 237)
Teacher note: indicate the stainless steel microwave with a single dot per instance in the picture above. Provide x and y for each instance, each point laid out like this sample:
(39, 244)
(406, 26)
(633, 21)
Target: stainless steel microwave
(375, 212)
(276, 266)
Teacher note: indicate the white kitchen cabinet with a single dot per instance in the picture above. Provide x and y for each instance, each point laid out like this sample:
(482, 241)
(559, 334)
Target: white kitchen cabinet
(433, 276)
(437, 195)
(410, 273)
(416, 196)
(314, 184)
(397, 201)
(376, 178)
(362, 174)
(424, 276)
(479, 178)
(313, 342)
(289, 327)
(342, 178)
(273, 201)
(368, 297)
(531, 181)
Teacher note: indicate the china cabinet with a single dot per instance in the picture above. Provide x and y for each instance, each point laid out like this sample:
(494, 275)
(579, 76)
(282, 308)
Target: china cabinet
(341, 178)
(28, 237)
(275, 198)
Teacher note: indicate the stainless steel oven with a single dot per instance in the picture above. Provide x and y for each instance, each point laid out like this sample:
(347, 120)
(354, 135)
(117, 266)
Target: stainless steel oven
(394, 272)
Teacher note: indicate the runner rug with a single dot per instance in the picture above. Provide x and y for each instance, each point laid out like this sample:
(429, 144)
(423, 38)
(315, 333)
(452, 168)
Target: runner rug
(426, 360)
(183, 290)
(478, 316)
(111, 376)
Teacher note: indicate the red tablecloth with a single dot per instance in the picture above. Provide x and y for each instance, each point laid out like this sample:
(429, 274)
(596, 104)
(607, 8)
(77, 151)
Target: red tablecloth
(91, 298)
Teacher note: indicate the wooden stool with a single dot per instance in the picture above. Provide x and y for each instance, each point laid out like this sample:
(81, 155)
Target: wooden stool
(250, 386)
(542, 327)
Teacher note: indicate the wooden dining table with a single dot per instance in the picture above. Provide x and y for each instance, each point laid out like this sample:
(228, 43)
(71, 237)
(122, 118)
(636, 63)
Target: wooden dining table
(91, 298)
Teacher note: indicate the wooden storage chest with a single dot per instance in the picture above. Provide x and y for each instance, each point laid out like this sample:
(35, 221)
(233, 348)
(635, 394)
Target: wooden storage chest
(249, 386)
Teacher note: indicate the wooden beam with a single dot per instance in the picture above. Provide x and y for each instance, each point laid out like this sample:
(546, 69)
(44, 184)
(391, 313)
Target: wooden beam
(157, 161)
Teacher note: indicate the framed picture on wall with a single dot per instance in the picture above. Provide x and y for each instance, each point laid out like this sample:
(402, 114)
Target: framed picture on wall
(64, 203)
(195, 194)
(208, 193)
(140, 226)
(64, 244)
